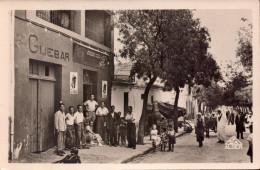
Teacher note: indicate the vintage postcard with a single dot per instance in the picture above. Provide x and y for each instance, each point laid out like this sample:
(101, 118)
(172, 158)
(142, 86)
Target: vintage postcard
(130, 84)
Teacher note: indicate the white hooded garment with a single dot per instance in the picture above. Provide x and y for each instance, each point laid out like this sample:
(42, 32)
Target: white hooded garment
(221, 126)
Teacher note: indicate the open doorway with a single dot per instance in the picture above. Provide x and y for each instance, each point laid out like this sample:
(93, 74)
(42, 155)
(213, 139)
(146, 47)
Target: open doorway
(125, 102)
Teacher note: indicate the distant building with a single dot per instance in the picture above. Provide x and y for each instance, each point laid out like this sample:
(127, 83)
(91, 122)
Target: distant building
(59, 55)
(128, 90)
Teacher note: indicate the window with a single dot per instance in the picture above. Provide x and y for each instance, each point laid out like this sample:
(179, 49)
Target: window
(97, 26)
(62, 18)
(33, 68)
(47, 72)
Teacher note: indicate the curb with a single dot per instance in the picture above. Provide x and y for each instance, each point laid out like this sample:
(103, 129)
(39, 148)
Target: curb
(146, 151)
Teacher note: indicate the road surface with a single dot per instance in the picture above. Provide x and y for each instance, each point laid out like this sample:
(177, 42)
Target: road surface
(187, 151)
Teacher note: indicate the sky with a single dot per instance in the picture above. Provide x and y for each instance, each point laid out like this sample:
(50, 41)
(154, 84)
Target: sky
(223, 25)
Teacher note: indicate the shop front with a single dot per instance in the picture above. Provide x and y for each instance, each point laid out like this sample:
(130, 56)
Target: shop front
(49, 68)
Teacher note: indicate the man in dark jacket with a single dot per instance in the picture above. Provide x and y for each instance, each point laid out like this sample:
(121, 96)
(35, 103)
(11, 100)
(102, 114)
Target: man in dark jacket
(240, 127)
(113, 119)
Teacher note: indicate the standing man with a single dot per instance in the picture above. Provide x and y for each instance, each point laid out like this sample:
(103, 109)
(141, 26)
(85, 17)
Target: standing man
(112, 121)
(60, 127)
(70, 135)
(101, 115)
(221, 120)
(240, 128)
(131, 129)
(91, 106)
(200, 126)
(80, 136)
(232, 117)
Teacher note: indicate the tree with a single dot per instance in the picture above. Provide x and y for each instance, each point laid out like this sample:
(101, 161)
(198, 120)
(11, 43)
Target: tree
(141, 36)
(211, 96)
(244, 50)
(145, 38)
(239, 85)
(188, 61)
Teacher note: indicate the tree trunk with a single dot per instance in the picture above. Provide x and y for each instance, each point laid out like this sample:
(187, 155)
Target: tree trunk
(140, 139)
(199, 105)
(175, 115)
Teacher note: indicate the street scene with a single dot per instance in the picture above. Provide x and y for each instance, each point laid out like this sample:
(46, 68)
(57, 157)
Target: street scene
(132, 86)
(187, 151)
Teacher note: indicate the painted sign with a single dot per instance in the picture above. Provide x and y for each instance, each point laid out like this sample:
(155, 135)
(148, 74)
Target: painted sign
(35, 46)
(73, 82)
(88, 57)
(104, 89)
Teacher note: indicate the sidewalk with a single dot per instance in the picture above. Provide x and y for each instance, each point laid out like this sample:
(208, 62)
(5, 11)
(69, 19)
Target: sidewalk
(95, 154)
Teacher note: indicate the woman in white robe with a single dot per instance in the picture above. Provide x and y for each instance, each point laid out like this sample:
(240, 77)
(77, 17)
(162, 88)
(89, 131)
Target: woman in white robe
(222, 121)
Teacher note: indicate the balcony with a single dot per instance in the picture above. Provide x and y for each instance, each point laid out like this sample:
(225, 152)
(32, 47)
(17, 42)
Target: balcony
(124, 79)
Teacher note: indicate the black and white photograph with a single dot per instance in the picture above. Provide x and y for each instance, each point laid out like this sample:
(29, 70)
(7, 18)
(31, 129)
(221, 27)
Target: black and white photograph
(138, 86)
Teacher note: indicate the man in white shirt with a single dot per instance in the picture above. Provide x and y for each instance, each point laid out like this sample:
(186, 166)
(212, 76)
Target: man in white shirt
(70, 135)
(91, 106)
(60, 127)
(101, 114)
(80, 136)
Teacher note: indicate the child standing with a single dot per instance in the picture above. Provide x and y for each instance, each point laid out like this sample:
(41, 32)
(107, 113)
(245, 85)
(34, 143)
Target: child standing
(171, 136)
(122, 129)
(153, 134)
(163, 142)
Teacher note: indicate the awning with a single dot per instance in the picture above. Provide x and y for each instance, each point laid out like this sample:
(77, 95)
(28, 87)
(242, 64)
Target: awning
(166, 109)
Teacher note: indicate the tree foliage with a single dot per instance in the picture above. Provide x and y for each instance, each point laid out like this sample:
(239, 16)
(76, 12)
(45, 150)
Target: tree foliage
(211, 96)
(231, 96)
(169, 44)
(238, 90)
(244, 49)
(187, 58)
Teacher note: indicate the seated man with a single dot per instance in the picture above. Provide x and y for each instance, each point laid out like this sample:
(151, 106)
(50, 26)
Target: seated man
(91, 137)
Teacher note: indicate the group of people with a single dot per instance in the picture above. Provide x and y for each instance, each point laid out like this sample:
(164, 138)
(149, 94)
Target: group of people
(240, 119)
(166, 131)
(92, 124)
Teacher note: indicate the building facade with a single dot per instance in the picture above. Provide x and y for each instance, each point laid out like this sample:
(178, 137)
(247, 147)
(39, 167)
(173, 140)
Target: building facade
(59, 56)
(128, 90)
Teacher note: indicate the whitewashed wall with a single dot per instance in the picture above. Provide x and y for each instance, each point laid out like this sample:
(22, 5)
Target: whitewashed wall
(134, 95)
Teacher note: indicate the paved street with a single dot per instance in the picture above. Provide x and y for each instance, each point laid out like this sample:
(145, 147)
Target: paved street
(187, 151)
(95, 154)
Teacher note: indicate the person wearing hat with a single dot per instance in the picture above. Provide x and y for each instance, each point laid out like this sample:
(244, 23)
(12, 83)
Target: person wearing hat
(200, 126)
